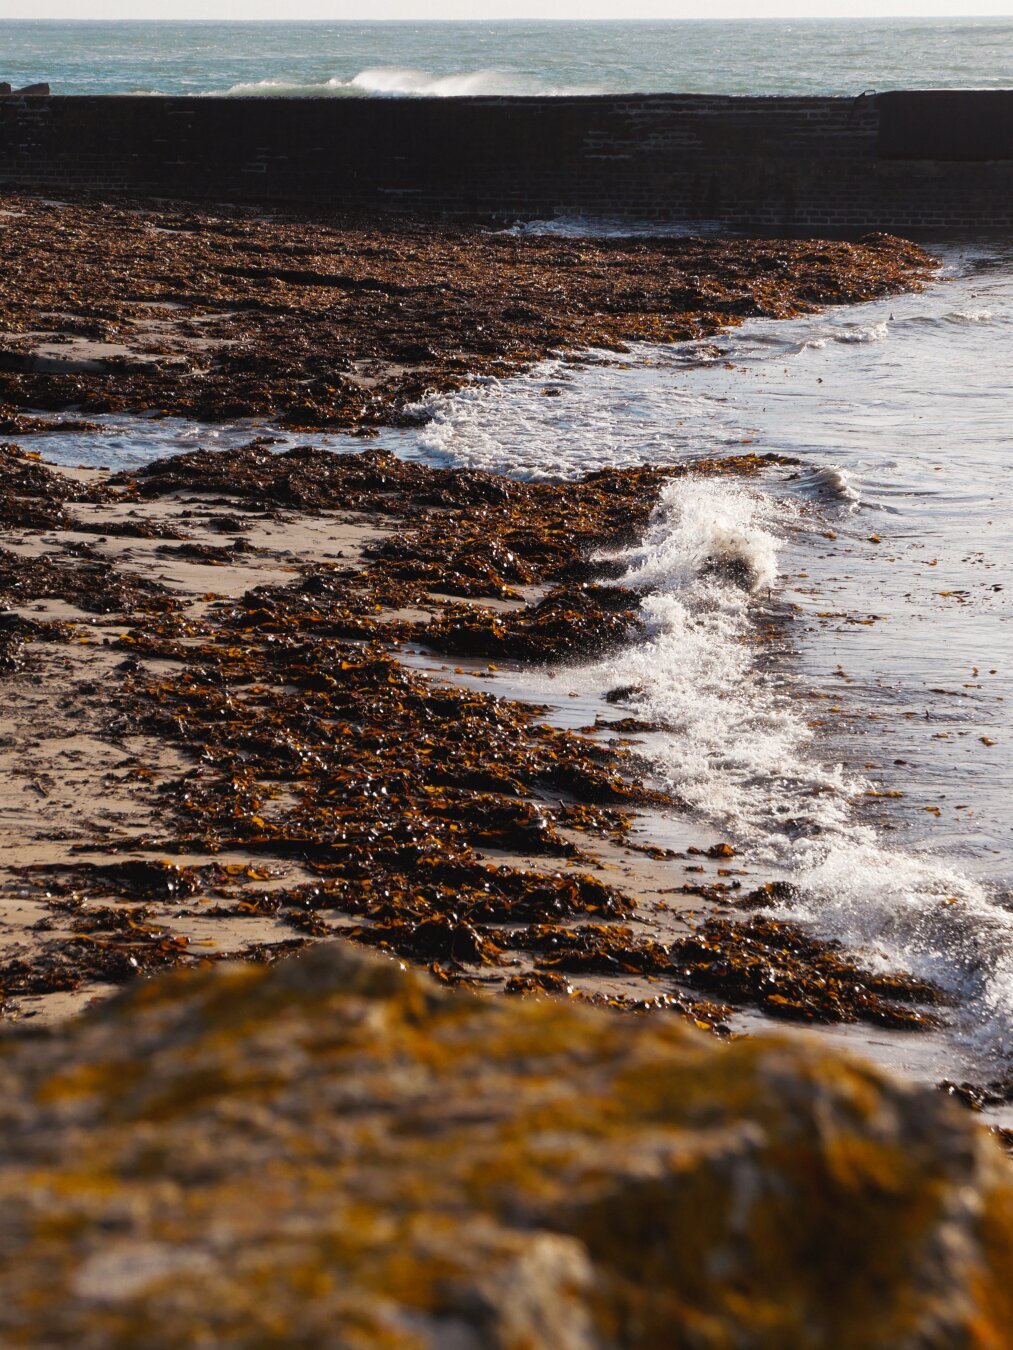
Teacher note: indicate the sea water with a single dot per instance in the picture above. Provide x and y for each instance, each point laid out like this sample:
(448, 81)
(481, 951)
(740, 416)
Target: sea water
(355, 60)
(867, 754)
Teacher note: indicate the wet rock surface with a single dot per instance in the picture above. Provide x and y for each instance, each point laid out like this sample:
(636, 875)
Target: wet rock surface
(334, 1150)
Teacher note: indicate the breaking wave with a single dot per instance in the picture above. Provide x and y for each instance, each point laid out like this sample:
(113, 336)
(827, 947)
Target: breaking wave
(918, 912)
(847, 333)
(736, 747)
(737, 752)
(401, 82)
(834, 484)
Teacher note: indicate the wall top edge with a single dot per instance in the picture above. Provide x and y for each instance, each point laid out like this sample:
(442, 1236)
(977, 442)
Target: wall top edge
(474, 100)
(551, 100)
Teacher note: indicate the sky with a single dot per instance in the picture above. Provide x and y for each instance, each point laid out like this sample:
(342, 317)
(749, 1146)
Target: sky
(493, 9)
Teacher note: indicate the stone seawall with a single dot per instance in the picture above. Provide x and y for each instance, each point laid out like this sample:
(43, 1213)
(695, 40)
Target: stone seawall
(918, 162)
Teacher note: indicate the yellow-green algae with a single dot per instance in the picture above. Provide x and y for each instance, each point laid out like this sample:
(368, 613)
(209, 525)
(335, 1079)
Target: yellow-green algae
(337, 1152)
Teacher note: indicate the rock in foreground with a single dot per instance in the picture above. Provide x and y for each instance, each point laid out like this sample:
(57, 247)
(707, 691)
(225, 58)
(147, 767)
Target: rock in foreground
(333, 1151)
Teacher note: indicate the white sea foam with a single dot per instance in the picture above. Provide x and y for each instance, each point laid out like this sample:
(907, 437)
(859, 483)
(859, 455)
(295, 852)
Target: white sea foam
(861, 332)
(558, 421)
(847, 332)
(953, 318)
(738, 750)
(401, 82)
(393, 81)
(918, 912)
(734, 744)
(282, 89)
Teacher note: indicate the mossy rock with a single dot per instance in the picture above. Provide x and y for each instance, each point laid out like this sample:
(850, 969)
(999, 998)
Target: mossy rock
(334, 1151)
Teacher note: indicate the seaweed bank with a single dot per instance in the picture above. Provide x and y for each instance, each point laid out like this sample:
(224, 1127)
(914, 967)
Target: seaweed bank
(207, 651)
(318, 322)
(293, 773)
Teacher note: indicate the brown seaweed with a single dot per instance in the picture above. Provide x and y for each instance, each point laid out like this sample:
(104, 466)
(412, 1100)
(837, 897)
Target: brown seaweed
(320, 319)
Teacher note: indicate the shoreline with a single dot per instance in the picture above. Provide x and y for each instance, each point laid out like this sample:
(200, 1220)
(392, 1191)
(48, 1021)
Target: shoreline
(246, 691)
(320, 321)
(154, 601)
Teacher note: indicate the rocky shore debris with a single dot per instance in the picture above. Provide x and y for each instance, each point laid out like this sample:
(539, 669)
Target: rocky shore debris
(325, 321)
(336, 1150)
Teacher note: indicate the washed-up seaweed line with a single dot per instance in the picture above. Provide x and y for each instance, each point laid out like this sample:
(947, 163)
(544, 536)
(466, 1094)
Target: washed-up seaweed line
(325, 321)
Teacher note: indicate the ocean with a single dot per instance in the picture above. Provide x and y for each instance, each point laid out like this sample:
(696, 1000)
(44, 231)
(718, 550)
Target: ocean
(445, 59)
(866, 758)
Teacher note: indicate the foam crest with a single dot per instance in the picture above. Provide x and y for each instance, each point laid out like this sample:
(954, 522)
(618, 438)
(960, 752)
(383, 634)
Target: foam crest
(862, 332)
(954, 318)
(283, 89)
(400, 82)
(706, 528)
(421, 83)
(846, 333)
(728, 733)
(971, 316)
(917, 912)
(835, 483)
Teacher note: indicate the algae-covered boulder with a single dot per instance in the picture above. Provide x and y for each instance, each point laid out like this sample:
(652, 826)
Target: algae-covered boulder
(336, 1152)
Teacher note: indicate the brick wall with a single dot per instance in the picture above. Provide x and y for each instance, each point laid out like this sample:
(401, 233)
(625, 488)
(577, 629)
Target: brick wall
(802, 165)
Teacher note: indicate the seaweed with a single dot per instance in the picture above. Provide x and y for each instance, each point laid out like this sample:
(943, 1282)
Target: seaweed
(319, 319)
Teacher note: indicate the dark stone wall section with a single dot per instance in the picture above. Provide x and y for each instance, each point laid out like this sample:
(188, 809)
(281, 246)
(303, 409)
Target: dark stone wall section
(900, 161)
(958, 124)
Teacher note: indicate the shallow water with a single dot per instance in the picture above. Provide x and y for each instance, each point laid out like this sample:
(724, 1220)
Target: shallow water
(868, 754)
(867, 751)
(355, 60)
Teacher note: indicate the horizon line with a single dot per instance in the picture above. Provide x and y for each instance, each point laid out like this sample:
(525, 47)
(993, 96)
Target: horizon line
(513, 19)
